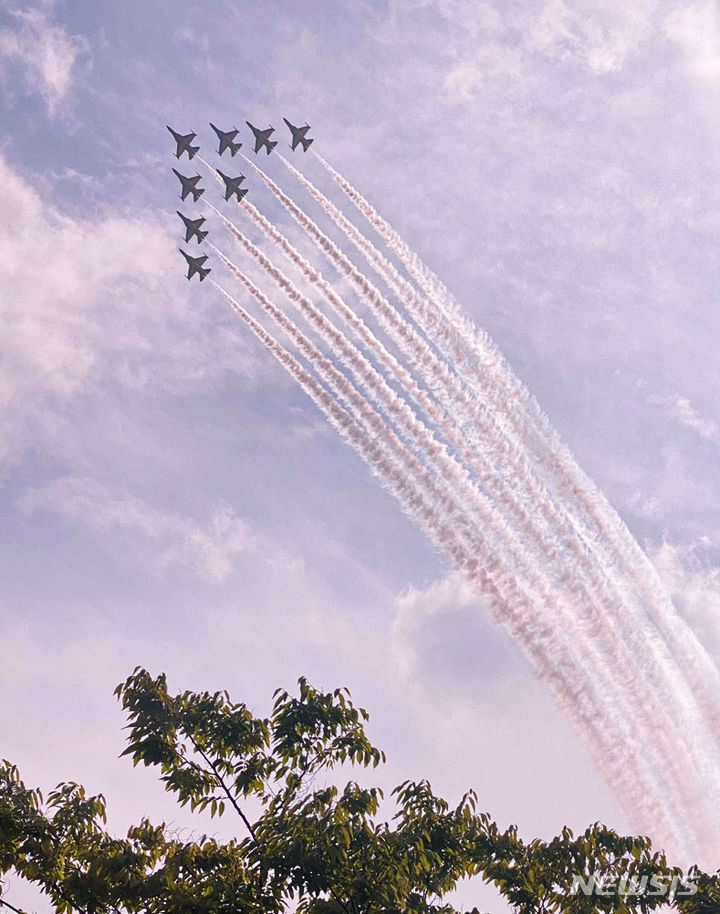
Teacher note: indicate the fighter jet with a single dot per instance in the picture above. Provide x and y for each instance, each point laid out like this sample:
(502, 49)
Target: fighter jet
(189, 186)
(195, 265)
(183, 144)
(262, 138)
(232, 186)
(299, 135)
(192, 227)
(227, 138)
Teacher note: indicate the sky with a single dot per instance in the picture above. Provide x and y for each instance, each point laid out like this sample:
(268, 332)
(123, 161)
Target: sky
(169, 498)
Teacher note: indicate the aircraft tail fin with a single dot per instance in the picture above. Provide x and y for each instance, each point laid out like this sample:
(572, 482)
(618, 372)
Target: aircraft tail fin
(192, 150)
(306, 143)
(198, 192)
(203, 272)
(271, 145)
(202, 236)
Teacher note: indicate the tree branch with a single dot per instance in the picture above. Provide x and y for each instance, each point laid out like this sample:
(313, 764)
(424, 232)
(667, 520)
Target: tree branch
(337, 901)
(6, 904)
(225, 789)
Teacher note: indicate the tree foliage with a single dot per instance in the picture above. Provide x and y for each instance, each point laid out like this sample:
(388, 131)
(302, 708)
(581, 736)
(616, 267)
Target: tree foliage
(306, 844)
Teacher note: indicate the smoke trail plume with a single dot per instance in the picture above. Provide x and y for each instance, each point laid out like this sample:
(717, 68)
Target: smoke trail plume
(440, 417)
(439, 517)
(468, 408)
(603, 531)
(475, 348)
(483, 353)
(570, 663)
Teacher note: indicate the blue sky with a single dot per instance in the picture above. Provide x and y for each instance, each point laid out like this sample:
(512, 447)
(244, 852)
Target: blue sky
(169, 498)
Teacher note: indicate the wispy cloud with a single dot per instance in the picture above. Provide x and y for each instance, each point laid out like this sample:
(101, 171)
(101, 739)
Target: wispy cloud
(600, 36)
(686, 414)
(696, 28)
(695, 589)
(92, 300)
(173, 539)
(415, 610)
(44, 53)
(53, 270)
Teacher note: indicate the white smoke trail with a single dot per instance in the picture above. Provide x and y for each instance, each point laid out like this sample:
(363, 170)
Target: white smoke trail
(398, 410)
(663, 675)
(404, 291)
(436, 415)
(473, 348)
(482, 355)
(208, 166)
(541, 592)
(394, 368)
(659, 727)
(513, 606)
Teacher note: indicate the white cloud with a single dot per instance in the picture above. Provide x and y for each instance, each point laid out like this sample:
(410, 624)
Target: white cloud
(45, 53)
(472, 688)
(416, 607)
(95, 301)
(696, 29)
(695, 590)
(600, 36)
(683, 410)
(53, 270)
(675, 488)
(210, 547)
(481, 68)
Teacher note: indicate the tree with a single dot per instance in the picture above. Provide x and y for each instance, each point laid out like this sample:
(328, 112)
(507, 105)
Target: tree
(307, 844)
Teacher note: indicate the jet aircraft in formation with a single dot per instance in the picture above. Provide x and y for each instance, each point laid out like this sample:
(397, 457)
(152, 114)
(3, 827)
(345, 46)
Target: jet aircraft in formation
(262, 138)
(299, 136)
(184, 144)
(189, 186)
(227, 140)
(232, 186)
(195, 265)
(192, 228)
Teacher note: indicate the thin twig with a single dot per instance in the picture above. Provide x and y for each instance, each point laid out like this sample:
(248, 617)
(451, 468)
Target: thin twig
(6, 904)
